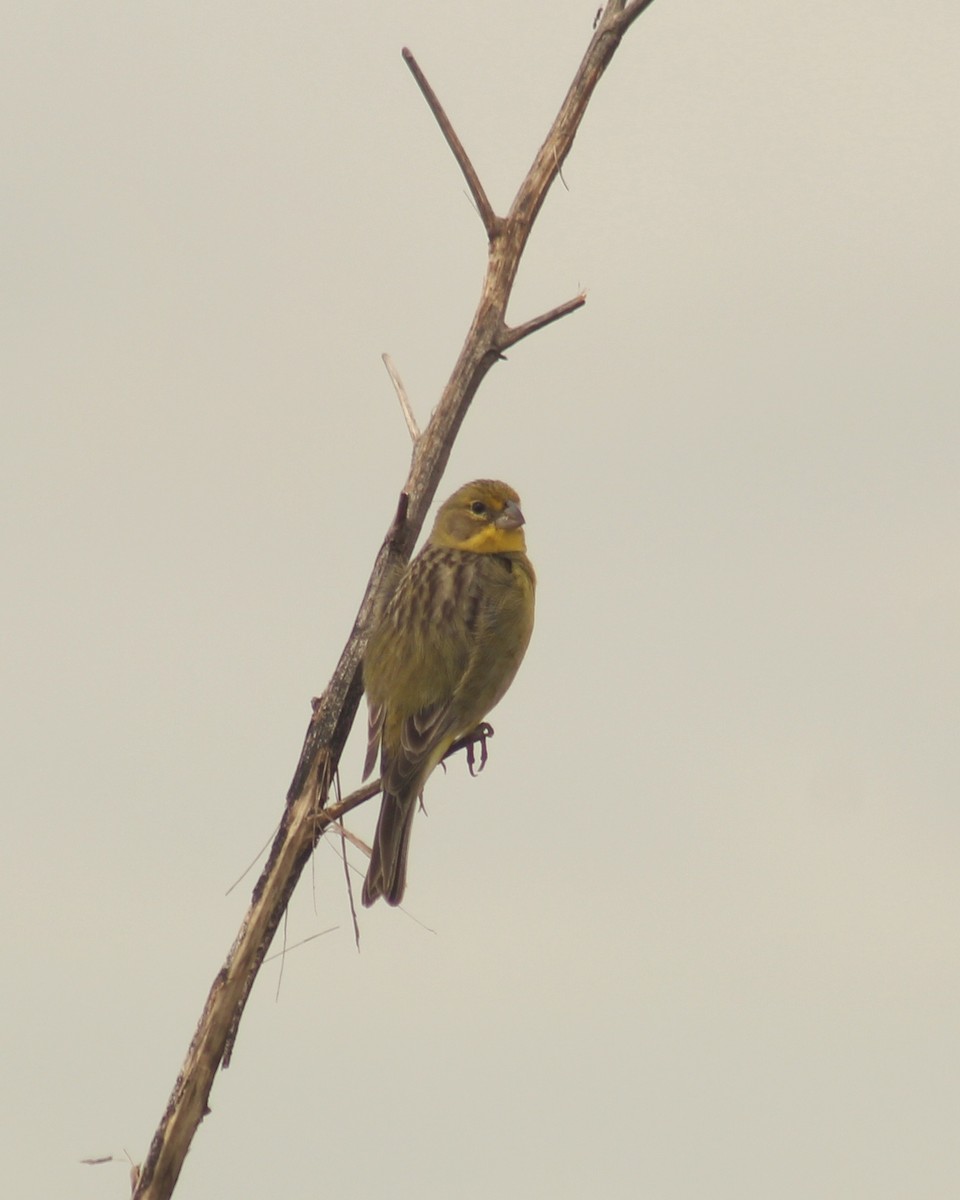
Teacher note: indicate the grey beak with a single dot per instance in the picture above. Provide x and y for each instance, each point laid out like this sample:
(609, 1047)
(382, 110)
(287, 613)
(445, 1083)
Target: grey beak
(511, 517)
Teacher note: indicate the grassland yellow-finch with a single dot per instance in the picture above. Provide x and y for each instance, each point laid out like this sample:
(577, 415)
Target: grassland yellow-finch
(441, 654)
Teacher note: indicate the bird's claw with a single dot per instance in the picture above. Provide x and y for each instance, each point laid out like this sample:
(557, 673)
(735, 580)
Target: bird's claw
(480, 734)
(468, 741)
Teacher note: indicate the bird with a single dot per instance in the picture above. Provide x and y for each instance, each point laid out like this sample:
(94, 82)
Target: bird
(441, 653)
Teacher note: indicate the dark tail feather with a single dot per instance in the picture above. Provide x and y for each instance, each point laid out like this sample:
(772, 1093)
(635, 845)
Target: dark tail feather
(387, 873)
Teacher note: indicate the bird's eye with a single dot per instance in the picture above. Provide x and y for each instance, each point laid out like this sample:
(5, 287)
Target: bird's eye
(478, 508)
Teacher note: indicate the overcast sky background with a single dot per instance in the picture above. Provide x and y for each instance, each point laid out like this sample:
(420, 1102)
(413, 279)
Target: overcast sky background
(694, 932)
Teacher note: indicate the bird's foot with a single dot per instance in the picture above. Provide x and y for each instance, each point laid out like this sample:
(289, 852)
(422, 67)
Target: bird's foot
(468, 742)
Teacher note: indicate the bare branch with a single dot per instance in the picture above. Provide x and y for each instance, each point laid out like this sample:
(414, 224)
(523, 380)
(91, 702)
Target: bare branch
(511, 335)
(491, 222)
(632, 11)
(402, 396)
(335, 812)
(305, 816)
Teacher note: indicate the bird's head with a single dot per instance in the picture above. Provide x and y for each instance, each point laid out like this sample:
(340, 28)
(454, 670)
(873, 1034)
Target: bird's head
(483, 517)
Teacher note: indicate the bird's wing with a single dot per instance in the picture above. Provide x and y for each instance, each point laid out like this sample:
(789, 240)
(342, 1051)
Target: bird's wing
(426, 734)
(374, 727)
(448, 663)
(420, 735)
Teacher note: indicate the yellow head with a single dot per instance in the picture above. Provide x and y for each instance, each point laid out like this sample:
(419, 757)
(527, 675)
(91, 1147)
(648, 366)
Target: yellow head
(483, 517)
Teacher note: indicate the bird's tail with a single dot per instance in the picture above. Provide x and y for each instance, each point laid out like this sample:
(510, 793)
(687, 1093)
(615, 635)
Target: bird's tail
(387, 873)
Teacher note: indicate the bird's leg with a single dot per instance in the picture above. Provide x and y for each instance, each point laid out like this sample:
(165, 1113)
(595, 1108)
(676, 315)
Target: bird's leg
(481, 733)
(468, 741)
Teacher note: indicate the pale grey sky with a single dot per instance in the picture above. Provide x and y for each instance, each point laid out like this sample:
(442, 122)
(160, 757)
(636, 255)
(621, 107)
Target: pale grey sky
(694, 932)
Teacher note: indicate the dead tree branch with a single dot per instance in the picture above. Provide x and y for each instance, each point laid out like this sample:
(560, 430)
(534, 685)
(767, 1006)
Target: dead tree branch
(405, 407)
(491, 222)
(510, 337)
(306, 815)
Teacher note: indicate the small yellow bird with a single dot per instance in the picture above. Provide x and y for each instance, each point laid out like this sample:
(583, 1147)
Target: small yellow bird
(441, 654)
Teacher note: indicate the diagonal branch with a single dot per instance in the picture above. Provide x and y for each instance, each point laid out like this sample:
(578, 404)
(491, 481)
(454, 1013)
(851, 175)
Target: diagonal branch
(632, 11)
(304, 819)
(491, 222)
(405, 407)
(510, 335)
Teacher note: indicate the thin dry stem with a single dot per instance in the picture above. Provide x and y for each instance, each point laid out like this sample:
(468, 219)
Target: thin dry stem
(491, 222)
(511, 335)
(405, 408)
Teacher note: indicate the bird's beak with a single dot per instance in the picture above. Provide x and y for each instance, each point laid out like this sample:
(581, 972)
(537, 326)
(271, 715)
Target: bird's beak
(511, 517)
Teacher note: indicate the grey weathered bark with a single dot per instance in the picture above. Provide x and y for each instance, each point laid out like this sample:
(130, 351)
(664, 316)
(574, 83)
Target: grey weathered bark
(307, 814)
